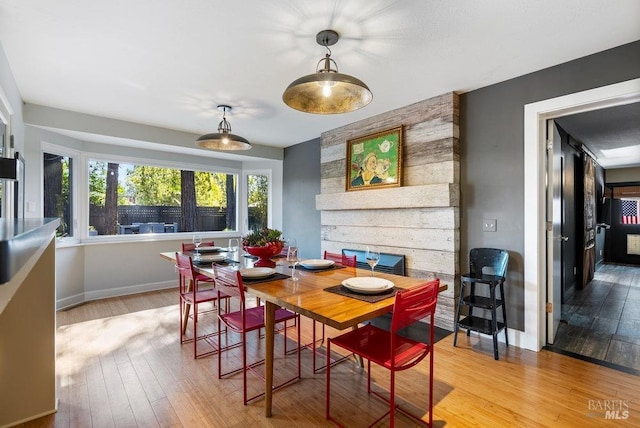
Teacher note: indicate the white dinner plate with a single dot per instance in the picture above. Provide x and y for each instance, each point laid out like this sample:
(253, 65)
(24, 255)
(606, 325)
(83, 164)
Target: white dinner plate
(317, 263)
(255, 273)
(209, 249)
(209, 258)
(367, 284)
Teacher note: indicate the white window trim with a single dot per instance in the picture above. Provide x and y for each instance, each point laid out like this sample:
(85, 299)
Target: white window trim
(76, 191)
(245, 195)
(87, 156)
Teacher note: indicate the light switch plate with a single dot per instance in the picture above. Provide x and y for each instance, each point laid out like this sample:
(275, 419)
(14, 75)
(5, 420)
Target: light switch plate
(489, 225)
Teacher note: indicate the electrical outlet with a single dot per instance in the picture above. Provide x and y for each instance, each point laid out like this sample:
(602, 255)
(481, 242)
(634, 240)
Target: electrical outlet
(489, 225)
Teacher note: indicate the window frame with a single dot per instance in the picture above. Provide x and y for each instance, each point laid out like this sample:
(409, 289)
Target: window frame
(245, 197)
(75, 155)
(105, 157)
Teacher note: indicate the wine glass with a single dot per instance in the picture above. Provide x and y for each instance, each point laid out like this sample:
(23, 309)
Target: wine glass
(197, 240)
(234, 244)
(292, 258)
(373, 257)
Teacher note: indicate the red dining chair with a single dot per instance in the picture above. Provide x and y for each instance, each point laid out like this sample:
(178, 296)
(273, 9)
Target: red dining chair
(189, 246)
(390, 350)
(191, 296)
(348, 261)
(245, 320)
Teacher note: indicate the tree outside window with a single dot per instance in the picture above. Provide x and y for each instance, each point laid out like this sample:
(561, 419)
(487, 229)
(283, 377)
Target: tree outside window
(57, 191)
(258, 201)
(134, 198)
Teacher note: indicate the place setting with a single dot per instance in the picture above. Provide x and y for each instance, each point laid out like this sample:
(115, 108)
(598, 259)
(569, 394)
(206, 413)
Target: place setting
(260, 274)
(368, 288)
(319, 265)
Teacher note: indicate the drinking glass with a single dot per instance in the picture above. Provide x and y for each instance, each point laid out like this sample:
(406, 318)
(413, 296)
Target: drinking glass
(292, 258)
(373, 257)
(234, 244)
(197, 240)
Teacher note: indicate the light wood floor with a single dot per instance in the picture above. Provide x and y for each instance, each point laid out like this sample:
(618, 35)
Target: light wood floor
(119, 363)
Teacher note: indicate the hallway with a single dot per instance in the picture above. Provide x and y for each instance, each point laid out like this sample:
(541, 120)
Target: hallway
(602, 322)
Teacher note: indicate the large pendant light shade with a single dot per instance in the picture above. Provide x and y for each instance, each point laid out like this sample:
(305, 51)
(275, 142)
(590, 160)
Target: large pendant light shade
(327, 91)
(223, 139)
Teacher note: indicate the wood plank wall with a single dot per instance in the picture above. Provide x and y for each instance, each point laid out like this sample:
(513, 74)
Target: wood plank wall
(421, 219)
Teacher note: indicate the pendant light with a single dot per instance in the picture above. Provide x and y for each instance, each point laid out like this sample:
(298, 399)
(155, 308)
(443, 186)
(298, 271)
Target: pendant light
(327, 91)
(223, 139)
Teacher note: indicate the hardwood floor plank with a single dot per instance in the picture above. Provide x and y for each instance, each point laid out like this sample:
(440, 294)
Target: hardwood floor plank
(118, 398)
(152, 388)
(165, 414)
(140, 404)
(98, 397)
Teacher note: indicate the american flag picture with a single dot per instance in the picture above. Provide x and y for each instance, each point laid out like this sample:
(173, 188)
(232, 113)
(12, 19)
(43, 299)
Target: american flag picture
(630, 212)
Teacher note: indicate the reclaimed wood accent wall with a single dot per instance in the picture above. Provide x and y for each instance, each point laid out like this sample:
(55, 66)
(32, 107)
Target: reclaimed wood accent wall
(421, 219)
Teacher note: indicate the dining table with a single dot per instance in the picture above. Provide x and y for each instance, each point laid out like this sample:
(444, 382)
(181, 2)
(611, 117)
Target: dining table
(317, 294)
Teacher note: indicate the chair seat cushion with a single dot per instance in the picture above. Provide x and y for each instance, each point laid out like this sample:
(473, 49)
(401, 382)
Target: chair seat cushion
(254, 318)
(203, 278)
(374, 343)
(201, 296)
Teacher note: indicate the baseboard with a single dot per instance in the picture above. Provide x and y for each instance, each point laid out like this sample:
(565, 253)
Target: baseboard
(81, 298)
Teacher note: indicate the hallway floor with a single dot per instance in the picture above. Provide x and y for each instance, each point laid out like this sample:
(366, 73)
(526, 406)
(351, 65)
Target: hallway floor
(602, 322)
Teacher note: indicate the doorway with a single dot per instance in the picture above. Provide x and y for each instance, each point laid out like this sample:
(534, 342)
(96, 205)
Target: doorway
(535, 225)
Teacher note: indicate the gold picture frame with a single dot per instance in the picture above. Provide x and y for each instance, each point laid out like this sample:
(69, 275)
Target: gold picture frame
(375, 161)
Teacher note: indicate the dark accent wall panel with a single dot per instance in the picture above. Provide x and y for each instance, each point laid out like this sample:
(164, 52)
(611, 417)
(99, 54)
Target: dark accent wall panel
(301, 176)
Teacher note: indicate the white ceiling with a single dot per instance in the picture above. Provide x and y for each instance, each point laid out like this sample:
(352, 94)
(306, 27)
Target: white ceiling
(169, 63)
(612, 135)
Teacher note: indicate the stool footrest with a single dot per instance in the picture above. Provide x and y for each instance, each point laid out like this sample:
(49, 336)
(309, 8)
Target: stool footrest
(481, 325)
(481, 302)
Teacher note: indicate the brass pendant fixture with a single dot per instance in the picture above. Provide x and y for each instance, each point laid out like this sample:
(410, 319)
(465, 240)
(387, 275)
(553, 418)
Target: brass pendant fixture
(327, 91)
(223, 139)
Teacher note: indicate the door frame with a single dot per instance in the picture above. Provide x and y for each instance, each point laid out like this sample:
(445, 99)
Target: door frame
(535, 270)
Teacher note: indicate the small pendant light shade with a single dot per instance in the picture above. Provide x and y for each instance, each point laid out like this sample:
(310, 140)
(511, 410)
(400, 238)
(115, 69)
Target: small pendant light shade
(223, 139)
(327, 91)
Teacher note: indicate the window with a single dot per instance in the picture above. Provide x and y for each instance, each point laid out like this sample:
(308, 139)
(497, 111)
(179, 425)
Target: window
(126, 198)
(257, 201)
(58, 194)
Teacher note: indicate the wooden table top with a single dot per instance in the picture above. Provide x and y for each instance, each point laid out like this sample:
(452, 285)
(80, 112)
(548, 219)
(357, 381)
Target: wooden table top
(308, 297)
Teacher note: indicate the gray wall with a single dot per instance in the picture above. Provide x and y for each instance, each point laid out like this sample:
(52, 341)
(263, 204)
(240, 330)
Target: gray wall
(492, 153)
(301, 184)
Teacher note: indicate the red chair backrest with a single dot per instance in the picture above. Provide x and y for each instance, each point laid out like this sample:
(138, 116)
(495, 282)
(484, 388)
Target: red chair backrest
(186, 273)
(185, 266)
(229, 282)
(190, 246)
(414, 304)
(349, 261)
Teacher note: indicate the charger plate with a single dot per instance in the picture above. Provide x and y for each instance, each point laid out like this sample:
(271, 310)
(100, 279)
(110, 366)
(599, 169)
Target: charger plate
(367, 284)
